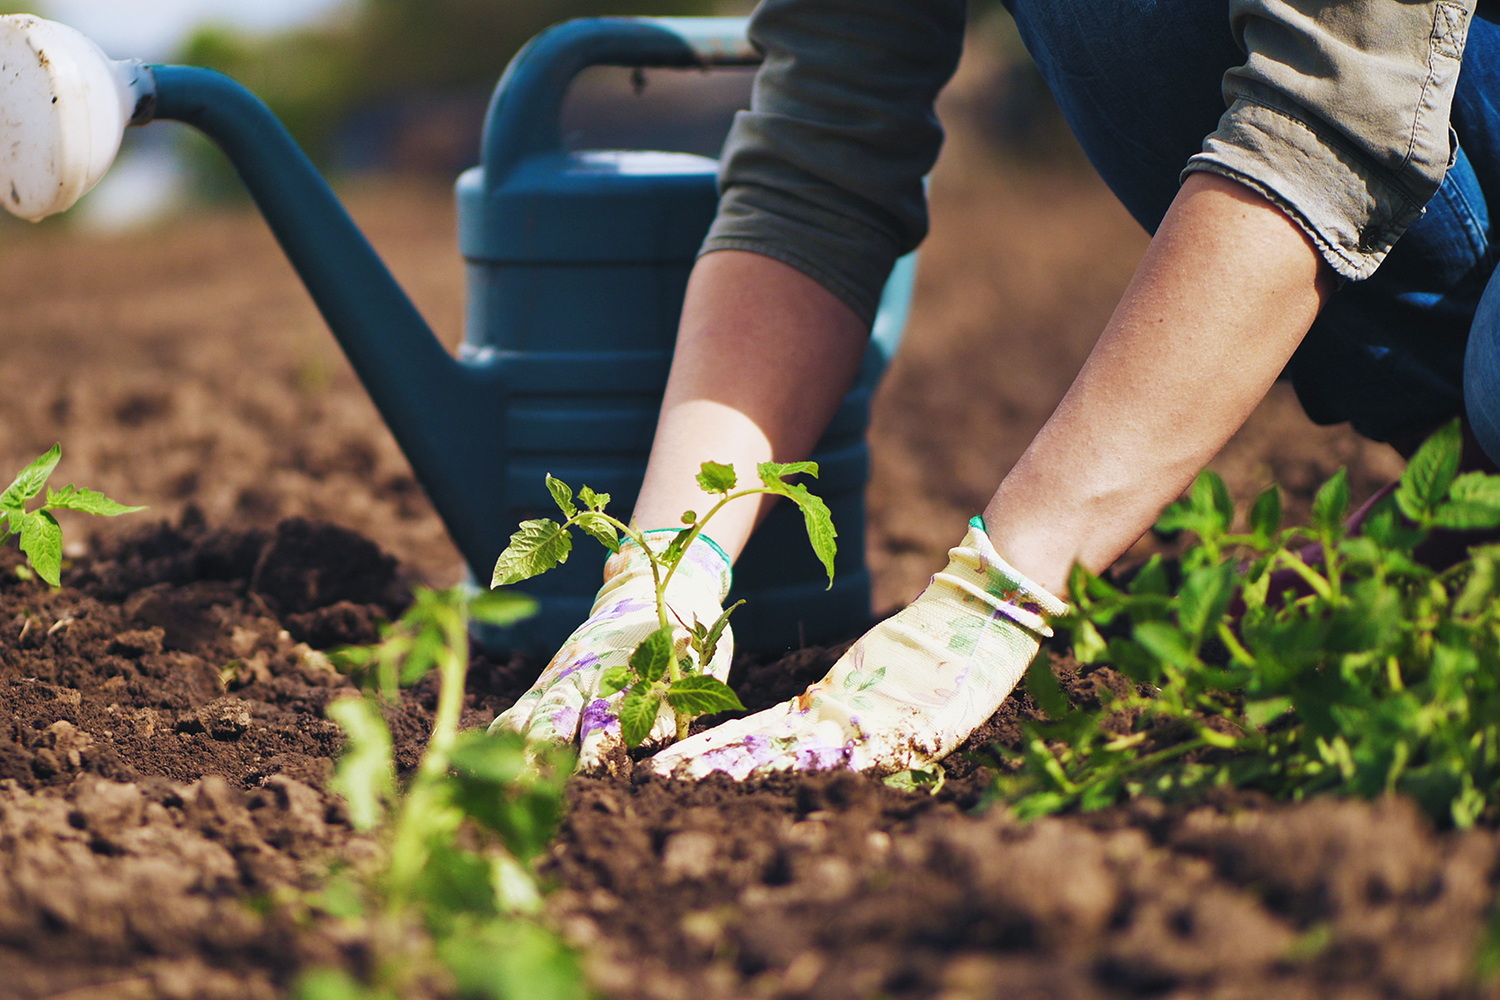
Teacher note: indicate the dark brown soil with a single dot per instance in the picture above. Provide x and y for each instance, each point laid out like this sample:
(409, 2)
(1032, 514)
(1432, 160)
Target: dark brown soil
(164, 755)
(163, 761)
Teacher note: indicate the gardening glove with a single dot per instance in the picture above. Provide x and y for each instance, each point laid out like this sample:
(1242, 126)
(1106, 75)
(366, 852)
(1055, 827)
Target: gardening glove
(906, 694)
(564, 705)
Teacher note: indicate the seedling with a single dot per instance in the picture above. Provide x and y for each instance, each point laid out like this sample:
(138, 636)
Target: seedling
(41, 536)
(456, 844)
(659, 669)
(1292, 661)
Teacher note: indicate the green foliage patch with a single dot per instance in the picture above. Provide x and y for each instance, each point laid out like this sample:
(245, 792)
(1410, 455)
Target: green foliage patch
(1295, 661)
(450, 901)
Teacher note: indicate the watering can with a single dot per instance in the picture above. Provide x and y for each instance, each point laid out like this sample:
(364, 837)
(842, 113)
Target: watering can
(577, 263)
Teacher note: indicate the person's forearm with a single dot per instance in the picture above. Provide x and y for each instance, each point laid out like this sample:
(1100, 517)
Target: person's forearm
(764, 356)
(1223, 296)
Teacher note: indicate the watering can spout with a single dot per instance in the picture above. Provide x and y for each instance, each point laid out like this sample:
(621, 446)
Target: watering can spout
(67, 104)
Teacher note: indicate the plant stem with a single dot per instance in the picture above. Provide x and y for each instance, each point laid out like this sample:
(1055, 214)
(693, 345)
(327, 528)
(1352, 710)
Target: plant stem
(422, 810)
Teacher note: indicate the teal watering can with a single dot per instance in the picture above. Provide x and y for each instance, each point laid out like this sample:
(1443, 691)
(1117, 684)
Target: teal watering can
(577, 264)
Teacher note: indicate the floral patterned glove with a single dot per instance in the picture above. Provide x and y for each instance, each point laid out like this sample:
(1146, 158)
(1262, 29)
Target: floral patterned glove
(564, 705)
(907, 693)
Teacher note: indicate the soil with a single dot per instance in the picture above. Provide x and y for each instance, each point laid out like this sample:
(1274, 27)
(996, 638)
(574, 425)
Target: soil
(163, 751)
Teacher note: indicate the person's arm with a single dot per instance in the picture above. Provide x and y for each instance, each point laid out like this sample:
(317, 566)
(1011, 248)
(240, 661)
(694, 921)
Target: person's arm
(1220, 301)
(1222, 298)
(822, 191)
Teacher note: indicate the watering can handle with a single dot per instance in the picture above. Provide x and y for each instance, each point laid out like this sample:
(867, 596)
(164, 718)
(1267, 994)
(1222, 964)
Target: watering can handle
(524, 116)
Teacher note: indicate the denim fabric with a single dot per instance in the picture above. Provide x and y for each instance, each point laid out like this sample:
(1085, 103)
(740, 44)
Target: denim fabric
(1141, 83)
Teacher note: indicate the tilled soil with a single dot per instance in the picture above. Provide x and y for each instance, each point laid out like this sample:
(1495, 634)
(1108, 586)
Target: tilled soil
(163, 767)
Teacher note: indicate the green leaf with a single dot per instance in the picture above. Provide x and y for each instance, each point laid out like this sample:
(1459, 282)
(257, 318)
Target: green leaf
(1265, 514)
(1430, 473)
(1473, 502)
(930, 782)
(1044, 689)
(600, 528)
(672, 554)
(716, 478)
(1261, 713)
(815, 514)
(1151, 579)
(702, 695)
(638, 714)
(593, 501)
(511, 959)
(365, 775)
(72, 497)
(1217, 498)
(41, 540)
(536, 547)
(1331, 504)
(562, 494)
(772, 473)
(614, 680)
(649, 661)
(1204, 596)
(30, 480)
(707, 643)
(513, 787)
(501, 607)
(427, 645)
(1476, 487)
(336, 984)
(1207, 511)
(1466, 516)
(1166, 643)
(1088, 644)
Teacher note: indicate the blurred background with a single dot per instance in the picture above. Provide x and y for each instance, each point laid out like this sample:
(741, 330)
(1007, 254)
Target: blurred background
(158, 332)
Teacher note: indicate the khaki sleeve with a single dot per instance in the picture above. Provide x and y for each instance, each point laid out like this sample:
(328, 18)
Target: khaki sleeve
(824, 172)
(1340, 115)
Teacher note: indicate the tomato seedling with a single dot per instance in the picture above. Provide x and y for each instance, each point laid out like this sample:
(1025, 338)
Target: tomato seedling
(41, 536)
(450, 890)
(660, 669)
(1293, 661)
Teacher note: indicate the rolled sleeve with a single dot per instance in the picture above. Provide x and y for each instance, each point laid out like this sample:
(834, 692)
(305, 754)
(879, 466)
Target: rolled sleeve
(1340, 116)
(824, 172)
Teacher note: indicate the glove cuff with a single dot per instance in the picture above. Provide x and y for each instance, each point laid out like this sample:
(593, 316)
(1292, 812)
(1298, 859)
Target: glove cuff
(977, 569)
(704, 566)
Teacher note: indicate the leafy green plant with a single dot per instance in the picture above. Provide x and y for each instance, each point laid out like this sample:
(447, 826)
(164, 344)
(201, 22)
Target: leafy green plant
(456, 844)
(41, 536)
(1294, 661)
(658, 670)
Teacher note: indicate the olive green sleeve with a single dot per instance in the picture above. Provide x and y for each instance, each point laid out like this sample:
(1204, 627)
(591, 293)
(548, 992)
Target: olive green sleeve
(1340, 115)
(824, 172)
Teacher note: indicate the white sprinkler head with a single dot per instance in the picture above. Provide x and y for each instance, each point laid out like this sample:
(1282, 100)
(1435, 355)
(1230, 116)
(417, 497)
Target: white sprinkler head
(64, 106)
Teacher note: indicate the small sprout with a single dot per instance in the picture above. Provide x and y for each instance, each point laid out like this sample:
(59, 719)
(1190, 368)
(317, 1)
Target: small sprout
(41, 536)
(661, 671)
(455, 840)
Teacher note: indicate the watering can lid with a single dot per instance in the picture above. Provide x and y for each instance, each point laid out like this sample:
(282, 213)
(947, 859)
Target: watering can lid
(591, 206)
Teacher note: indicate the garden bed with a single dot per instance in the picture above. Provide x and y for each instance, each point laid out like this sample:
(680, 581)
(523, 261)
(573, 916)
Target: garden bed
(165, 758)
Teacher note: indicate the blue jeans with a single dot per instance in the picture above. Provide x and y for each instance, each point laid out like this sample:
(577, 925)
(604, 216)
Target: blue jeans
(1139, 82)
